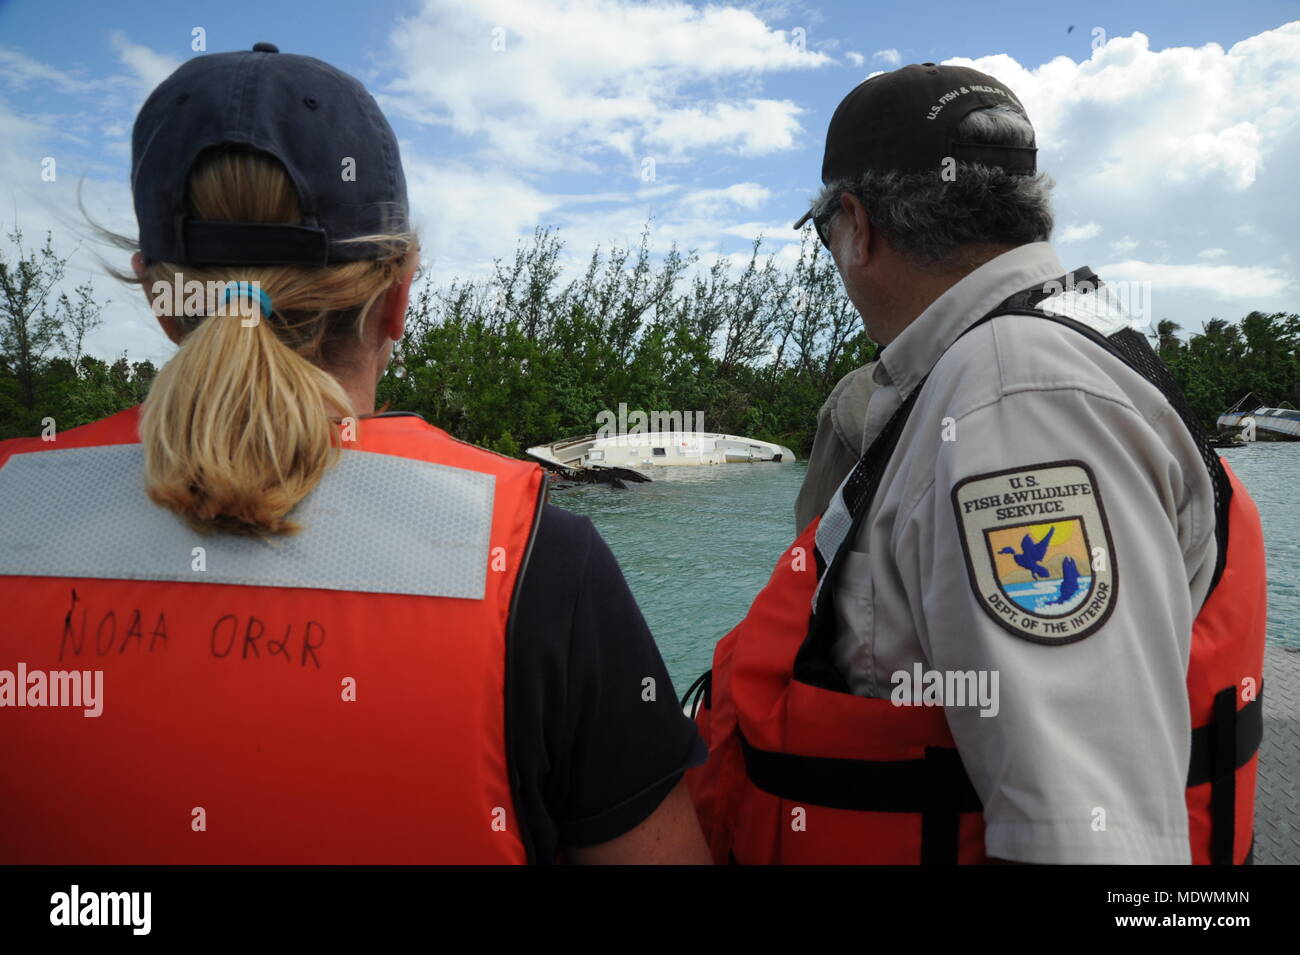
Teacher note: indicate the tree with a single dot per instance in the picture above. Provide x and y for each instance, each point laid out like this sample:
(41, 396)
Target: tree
(522, 357)
(29, 326)
(1167, 341)
(34, 320)
(79, 319)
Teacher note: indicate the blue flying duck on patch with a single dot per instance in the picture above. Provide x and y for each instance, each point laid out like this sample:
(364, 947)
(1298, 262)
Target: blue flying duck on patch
(1032, 553)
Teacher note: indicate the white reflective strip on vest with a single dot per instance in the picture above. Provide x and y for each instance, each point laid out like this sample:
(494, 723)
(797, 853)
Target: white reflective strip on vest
(834, 527)
(1103, 310)
(376, 523)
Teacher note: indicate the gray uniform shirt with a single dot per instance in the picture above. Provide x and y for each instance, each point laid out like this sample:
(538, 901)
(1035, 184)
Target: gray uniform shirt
(1031, 448)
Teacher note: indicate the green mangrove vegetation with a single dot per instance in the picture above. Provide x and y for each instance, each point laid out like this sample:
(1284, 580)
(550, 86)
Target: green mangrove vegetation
(532, 352)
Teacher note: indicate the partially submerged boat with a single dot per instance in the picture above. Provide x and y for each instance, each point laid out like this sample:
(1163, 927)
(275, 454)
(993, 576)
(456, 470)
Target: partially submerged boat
(1261, 424)
(658, 449)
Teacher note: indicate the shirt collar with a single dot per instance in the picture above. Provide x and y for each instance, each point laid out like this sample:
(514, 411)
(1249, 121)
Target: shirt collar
(914, 352)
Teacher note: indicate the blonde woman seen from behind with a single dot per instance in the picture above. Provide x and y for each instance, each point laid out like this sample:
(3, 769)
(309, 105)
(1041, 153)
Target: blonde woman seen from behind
(302, 631)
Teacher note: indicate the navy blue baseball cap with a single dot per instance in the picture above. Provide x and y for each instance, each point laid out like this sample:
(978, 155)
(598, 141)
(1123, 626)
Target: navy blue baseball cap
(318, 121)
(906, 121)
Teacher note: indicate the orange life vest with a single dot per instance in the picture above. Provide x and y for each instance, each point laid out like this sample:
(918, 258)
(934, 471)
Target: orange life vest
(803, 773)
(333, 697)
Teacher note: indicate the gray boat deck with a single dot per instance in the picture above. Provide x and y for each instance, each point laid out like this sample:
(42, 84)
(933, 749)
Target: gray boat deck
(1277, 796)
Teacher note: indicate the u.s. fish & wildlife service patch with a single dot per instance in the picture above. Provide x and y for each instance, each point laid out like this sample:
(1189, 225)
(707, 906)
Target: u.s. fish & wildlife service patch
(1038, 549)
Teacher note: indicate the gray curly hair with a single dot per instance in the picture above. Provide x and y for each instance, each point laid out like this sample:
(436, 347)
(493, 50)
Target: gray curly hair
(929, 221)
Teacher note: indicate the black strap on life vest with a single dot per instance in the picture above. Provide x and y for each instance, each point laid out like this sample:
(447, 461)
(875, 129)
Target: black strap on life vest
(863, 785)
(1219, 749)
(938, 786)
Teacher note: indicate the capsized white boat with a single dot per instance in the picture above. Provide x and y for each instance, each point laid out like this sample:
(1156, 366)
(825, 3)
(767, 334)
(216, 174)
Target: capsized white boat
(1278, 424)
(658, 448)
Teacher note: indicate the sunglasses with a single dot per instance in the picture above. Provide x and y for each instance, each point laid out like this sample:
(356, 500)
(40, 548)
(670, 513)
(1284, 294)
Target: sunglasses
(822, 224)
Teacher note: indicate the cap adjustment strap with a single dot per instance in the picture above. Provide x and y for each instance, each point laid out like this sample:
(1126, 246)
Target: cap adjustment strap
(1013, 159)
(250, 243)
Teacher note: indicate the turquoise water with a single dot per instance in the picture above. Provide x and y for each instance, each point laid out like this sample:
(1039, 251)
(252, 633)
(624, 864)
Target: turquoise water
(1271, 472)
(697, 544)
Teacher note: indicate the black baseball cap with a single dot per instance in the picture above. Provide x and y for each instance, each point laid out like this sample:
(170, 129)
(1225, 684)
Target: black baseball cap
(311, 117)
(905, 121)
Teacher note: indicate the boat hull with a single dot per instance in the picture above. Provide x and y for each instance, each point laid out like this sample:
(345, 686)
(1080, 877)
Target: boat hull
(1270, 424)
(660, 449)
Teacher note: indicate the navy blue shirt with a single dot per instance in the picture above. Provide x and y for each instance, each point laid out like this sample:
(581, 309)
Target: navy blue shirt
(591, 757)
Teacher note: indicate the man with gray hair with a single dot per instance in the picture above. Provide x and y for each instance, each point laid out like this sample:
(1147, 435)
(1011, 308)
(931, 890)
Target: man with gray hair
(945, 225)
(1016, 491)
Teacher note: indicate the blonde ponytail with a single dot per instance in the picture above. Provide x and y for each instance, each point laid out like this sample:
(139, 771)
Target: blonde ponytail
(238, 429)
(241, 424)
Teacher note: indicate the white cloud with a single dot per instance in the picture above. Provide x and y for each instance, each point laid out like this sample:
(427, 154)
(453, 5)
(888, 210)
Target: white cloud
(746, 195)
(854, 57)
(1175, 116)
(148, 66)
(95, 111)
(770, 232)
(1212, 253)
(1079, 233)
(1230, 282)
(890, 57)
(785, 256)
(550, 83)
(22, 72)
(466, 216)
(753, 128)
(1176, 150)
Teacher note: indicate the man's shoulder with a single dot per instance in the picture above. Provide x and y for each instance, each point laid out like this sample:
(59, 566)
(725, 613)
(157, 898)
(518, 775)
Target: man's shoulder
(846, 407)
(853, 389)
(1014, 354)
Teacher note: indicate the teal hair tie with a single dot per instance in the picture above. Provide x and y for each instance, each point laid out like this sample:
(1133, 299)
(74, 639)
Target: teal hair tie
(248, 289)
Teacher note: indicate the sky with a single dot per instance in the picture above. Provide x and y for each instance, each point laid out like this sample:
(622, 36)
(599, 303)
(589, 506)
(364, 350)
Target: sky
(1171, 129)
